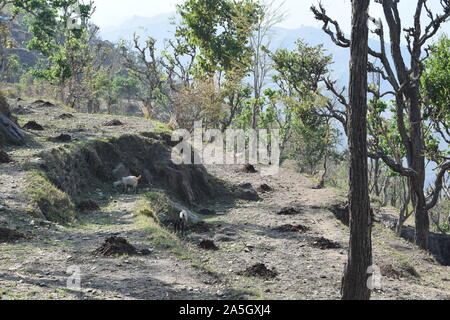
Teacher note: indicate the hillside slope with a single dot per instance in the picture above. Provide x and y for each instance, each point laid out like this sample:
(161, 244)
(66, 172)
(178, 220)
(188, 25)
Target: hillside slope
(300, 252)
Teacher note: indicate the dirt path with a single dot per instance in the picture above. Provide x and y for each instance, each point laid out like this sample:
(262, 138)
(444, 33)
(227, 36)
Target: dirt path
(307, 272)
(36, 269)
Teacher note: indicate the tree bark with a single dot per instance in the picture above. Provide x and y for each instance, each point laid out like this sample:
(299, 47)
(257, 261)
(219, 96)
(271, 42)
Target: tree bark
(147, 109)
(417, 162)
(354, 286)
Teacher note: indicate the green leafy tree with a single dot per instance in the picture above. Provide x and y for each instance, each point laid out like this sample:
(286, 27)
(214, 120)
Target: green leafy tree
(436, 88)
(220, 30)
(298, 76)
(212, 45)
(47, 17)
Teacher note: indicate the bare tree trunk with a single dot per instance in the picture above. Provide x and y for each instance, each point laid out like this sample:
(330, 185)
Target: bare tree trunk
(96, 106)
(404, 210)
(147, 110)
(385, 191)
(325, 158)
(354, 286)
(324, 173)
(422, 225)
(90, 106)
(377, 177)
(417, 163)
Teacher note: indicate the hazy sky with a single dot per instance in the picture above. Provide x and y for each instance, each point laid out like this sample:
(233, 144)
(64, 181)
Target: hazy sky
(113, 12)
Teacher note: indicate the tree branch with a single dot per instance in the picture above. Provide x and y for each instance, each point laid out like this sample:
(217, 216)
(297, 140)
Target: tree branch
(337, 36)
(396, 167)
(438, 185)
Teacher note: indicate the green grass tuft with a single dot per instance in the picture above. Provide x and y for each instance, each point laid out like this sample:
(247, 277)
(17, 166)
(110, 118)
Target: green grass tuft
(54, 204)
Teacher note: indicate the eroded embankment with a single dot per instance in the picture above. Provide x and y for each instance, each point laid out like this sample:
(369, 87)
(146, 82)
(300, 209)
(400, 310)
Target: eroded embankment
(67, 174)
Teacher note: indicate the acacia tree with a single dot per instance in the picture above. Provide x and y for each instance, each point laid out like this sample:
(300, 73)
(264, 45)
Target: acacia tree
(409, 107)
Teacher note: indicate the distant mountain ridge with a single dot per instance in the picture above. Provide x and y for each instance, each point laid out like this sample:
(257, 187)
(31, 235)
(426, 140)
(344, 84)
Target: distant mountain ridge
(160, 28)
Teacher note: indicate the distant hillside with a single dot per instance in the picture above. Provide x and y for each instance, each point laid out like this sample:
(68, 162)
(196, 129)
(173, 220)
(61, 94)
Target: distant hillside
(160, 28)
(20, 37)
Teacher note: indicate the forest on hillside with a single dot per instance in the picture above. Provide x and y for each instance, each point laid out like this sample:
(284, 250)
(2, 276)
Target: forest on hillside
(389, 127)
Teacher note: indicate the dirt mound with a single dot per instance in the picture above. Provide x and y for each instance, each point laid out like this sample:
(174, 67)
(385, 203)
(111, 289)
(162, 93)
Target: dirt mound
(389, 271)
(291, 228)
(38, 102)
(88, 205)
(245, 191)
(259, 270)
(65, 116)
(47, 105)
(248, 168)
(42, 104)
(208, 245)
(341, 211)
(113, 123)
(289, 211)
(61, 138)
(115, 246)
(33, 125)
(325, 244)
(7, 235)
(4, 157)
(264, 188)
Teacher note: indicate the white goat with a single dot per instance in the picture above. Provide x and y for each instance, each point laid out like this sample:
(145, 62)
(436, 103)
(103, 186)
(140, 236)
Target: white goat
(130, 181)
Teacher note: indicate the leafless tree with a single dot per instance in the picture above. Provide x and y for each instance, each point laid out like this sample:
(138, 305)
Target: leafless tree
(260, 41)
(141, 61)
